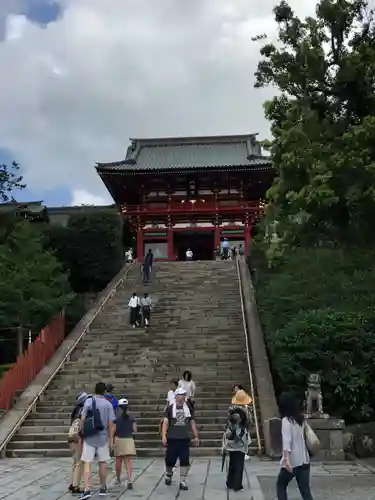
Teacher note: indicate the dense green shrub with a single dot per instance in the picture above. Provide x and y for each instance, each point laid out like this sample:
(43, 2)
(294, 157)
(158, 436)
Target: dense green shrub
(315, 279)
(90, 249)
(338, 345)
(95, 250)
(74, 312)
(311, 307)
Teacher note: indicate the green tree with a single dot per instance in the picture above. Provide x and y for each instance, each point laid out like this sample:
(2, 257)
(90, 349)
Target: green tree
(10, 179)
(322, 123)
(33, 286)
(95, 250)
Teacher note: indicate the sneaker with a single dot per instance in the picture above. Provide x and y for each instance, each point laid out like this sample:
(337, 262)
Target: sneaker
(85, 494)
(168, 480)
(70, 487)
(184, 485)
(117, 482)
(103, 492)
(130, 485)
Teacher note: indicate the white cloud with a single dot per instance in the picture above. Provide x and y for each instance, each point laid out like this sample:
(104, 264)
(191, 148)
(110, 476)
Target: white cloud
(82, 197)
(73, 93)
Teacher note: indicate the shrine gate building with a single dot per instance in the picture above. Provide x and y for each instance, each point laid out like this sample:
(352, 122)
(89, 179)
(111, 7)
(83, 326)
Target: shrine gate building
(190, 192)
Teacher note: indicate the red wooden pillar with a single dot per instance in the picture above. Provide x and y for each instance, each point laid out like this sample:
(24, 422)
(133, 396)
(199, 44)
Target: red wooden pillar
(170, 244)
(217, 237)
(247, 239)
(140, 244)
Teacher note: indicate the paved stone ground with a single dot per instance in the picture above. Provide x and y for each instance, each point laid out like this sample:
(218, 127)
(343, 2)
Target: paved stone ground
(42, 479)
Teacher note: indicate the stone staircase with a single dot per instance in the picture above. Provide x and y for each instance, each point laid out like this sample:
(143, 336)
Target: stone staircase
(196, 325)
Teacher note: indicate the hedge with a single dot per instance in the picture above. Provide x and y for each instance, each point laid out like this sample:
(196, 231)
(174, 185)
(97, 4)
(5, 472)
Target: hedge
(311, 307)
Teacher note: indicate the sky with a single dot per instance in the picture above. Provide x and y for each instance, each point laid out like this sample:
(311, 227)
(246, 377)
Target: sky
(81, 77)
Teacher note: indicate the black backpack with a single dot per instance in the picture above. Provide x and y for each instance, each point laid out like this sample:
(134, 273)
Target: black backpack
(92, 424)
(237, 421)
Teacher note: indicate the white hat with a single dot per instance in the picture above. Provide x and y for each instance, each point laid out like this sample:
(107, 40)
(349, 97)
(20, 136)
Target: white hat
(180, 392)
(123, 402)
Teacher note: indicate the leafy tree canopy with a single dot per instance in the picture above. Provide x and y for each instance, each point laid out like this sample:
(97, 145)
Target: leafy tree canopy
(10, 179)
(322, 123)
(33, 287)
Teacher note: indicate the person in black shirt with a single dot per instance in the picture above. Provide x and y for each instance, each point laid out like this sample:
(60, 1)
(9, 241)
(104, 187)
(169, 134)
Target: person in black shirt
(147, 266)
(124, 447)
(178, 426)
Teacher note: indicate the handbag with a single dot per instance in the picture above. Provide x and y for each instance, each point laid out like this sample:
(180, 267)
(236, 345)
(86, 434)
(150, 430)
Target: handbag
(311, 439)
(74, 430)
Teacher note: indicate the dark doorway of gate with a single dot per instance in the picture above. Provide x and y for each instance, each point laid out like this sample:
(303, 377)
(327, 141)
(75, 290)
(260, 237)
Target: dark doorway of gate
(201, 243)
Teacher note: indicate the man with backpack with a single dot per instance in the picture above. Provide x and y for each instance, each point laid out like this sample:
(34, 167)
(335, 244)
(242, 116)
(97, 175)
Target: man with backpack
(98, 430)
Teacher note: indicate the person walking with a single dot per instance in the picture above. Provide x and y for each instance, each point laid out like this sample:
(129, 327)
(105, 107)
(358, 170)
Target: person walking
(171, 396)
(178, 425)
(225, 249)
(75, 443)
(189, 254)
(98, 429)
(124, 447)
(134, 306)
(241, 251)
(110, 397)
(236, 443)
(241, 398)
(147, 266)
(187, 383)
(295, 462)
(146, 305)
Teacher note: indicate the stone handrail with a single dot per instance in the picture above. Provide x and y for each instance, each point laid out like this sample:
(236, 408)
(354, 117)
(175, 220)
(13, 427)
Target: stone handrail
(14, 418)
(266, 393)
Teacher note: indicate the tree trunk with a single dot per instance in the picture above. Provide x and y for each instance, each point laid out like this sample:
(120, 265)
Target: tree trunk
(20, 341)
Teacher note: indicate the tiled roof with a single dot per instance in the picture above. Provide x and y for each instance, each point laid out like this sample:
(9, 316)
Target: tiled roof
(189, 153)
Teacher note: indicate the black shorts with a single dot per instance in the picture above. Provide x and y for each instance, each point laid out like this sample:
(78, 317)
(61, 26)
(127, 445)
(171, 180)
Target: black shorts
(178, 449)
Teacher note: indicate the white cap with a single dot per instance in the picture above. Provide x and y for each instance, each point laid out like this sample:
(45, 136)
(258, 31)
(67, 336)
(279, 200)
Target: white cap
(123, 402)
(180, 392)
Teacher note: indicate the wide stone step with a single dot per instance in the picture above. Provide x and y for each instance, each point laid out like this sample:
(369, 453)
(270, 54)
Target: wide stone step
(43, 420)
(155, 413)
(133, 395)
(155, 405)
(153, 401)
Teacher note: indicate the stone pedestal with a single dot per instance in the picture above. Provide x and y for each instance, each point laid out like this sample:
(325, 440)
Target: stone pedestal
(330, 431)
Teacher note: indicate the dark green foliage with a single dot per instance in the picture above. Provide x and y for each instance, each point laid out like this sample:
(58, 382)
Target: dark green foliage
(74, 312)
(10, 179)
(338, 345)
(95, 250)
(323, 124)
(33, 287)
(308, 305)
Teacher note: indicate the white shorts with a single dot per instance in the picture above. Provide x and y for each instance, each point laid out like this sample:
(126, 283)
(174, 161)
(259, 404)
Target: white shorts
(89, 452)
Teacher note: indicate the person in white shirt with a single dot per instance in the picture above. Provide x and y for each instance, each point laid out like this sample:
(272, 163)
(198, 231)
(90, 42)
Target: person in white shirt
(129, 256)
(295, 462)
(187, 383)
(171, 398)
(134, 306)
(189, 254)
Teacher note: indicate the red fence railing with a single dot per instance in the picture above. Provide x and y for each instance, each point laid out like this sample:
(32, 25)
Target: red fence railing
(27, 366)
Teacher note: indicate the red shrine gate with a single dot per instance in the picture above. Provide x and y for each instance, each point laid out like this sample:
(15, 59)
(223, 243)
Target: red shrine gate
(192, 193)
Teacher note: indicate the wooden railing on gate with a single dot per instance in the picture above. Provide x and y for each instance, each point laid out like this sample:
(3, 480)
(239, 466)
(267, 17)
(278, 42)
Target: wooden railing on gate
(27, 366)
